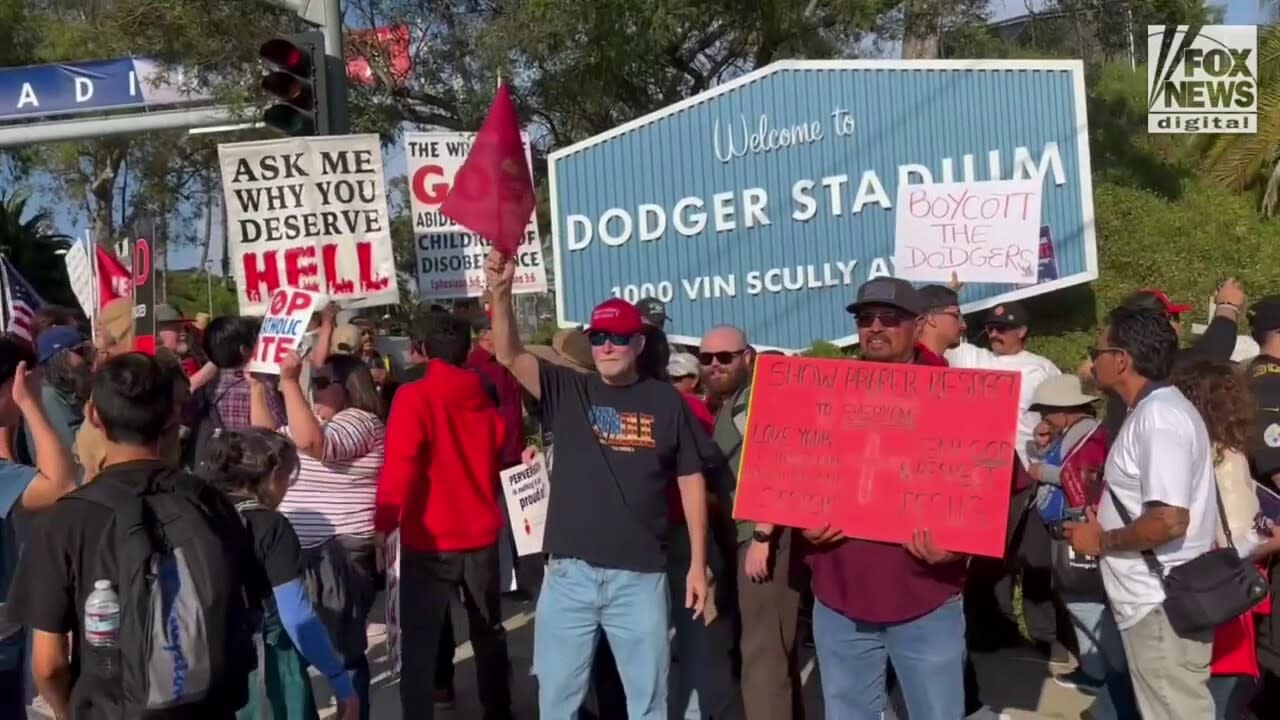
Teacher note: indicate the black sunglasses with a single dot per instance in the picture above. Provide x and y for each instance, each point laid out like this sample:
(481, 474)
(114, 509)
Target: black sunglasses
(598, 339)
(320, 382)
(724, 357)
(1097, 352)
(887, 319)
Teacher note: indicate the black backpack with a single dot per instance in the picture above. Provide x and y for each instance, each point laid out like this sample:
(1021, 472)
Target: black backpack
(206, 421)
(179, 560)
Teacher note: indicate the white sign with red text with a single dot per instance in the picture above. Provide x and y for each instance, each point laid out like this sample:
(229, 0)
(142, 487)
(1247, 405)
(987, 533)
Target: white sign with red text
(527, 490)
(283, 328)
(983, 232)
(450, 259)
(309, 213)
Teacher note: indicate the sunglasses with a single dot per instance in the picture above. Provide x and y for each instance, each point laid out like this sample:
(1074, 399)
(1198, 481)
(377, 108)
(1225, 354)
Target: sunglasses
(888, 320)
(724, 357)
(1097, 352)
(598, 339)
(321, 382)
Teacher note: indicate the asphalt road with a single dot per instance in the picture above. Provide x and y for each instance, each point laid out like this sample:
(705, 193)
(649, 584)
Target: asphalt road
(1016, 683)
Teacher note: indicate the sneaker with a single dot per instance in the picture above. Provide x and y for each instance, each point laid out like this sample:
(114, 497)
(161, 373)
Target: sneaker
(1078, 680)
(445, 699)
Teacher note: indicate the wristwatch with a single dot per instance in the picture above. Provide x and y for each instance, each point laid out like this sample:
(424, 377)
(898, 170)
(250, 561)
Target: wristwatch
(760, 536)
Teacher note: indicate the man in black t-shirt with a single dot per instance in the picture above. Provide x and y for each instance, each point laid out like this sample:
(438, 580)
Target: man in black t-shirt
(133, 403)
(621, 441)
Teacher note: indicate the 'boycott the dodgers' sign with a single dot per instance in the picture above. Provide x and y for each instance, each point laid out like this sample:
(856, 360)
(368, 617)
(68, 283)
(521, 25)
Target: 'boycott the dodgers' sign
(766, 201)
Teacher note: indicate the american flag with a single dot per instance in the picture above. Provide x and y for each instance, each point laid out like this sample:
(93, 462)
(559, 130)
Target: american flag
(18, 301)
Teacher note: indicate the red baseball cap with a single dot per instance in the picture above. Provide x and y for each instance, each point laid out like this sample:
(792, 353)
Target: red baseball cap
(1154, 296)
(616, 316)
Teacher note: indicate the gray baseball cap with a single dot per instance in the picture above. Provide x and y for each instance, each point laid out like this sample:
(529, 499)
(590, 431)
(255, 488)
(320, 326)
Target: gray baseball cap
(890, 291)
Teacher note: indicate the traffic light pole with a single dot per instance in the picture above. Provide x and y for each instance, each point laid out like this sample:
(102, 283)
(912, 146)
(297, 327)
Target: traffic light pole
(327, 15)
(335, 69)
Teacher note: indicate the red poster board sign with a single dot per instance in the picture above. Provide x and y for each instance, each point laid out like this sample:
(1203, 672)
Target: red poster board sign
(881, 450)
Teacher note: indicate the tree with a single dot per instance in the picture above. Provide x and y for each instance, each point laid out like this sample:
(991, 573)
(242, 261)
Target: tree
(1243, 162)
(27, 240)
(116, 180)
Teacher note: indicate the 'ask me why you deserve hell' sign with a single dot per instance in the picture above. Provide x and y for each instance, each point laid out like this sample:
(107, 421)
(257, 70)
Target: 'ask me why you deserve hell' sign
(880, 450)
(309, 213)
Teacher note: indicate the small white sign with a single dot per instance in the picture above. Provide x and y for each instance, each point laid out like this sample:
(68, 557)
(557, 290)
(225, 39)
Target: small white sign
(527, 491)
(983, 232)
(1202, 79)
(288, 315)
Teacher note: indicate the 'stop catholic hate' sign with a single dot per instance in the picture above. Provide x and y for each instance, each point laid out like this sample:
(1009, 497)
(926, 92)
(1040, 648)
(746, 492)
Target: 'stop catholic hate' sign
(766, 201)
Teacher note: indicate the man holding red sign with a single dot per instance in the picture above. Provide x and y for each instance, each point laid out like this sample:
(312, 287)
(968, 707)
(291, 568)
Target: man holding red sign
(912, 613)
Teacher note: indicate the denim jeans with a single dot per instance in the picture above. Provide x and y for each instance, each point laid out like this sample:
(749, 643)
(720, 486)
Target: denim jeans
(702, 684)
(927, 655)
(13, 675)
(1102, 658)
(1231, 696)
(578, 599)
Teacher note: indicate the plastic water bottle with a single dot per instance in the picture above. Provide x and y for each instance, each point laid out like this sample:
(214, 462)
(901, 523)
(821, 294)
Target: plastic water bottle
(102, 629)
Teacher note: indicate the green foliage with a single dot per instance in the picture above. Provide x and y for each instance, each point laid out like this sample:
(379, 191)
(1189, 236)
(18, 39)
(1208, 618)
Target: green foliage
(192, 292)
(824, 349)
(28, 240)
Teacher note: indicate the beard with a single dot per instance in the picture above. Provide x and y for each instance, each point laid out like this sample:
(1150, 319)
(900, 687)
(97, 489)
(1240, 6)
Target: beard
(726, 383)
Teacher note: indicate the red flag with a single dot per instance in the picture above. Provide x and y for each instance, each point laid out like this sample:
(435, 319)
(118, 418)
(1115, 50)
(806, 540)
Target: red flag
(114, 281)
(492, 194)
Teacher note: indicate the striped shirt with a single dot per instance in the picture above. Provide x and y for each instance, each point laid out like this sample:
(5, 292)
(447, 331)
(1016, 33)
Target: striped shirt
(335, 495)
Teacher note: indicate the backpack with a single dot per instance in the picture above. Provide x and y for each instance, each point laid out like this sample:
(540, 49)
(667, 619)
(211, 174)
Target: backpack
(178, 558)
(206, 423)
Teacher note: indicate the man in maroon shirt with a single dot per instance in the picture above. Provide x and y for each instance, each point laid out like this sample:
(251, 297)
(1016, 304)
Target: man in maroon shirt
(876, 602)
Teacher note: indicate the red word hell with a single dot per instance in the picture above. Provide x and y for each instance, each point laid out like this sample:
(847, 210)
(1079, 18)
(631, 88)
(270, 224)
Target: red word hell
(272, 349)
(262, 275)
(966, 206)
(289, 302)
(433, 193)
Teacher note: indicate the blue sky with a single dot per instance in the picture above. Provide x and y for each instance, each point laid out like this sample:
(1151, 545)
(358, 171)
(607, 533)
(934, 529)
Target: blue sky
(1239, 12)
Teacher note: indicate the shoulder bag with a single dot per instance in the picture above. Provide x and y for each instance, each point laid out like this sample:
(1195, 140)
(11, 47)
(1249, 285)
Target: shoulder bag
(1207, 590)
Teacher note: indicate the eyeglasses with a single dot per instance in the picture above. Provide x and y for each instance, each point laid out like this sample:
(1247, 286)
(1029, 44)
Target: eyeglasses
(887, 319)
(598, 339)
(998, 329)
(1096, 352)
(949, 313)
(321, 382)
(724, 357)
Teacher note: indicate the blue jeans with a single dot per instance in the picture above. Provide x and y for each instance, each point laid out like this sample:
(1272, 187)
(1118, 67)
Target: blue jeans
(578, 599)
(927, 655)
(702, 684)
(13, 675)
(1102, 658)
(1231, 695)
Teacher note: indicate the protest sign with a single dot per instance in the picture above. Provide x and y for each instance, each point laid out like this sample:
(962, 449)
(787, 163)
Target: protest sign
(450, 259)
(283, 328)
(1268, 518)
(880, 450)
(984, 232)
(526, 488)
(144, 295)
(309, 213)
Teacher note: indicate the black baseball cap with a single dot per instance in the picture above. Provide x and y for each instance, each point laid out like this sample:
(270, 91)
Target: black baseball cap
(653, 310)
(890, 291)
(1009, 314)
(1264, 315)
(936, 297)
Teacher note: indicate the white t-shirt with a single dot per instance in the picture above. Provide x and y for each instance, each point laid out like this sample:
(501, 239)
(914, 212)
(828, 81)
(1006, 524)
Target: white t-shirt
(1035, 369)
(1161, 454)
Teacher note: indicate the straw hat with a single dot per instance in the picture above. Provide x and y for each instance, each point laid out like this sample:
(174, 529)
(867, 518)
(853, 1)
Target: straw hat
(568, 348)
(1061, 391)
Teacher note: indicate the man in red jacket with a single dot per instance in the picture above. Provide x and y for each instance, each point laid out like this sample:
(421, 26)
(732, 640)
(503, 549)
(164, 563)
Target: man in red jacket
(439, 487)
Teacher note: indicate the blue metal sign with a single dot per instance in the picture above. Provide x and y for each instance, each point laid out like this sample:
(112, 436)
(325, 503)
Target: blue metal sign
(765, 202)
(39, 91)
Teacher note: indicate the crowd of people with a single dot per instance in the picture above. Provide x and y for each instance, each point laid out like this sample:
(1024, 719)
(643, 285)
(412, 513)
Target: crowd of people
(183, 538)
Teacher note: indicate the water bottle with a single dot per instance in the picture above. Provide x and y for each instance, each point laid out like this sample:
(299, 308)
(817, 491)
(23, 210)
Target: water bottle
(102, 629)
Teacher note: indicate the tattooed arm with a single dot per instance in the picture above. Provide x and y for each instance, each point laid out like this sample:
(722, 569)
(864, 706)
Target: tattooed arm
(1157, 525)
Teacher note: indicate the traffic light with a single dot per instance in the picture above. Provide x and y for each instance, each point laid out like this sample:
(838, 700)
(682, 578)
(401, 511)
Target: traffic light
(296, 83)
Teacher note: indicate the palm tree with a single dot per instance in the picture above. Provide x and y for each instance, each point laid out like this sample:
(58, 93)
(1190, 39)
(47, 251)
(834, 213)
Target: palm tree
(34, 248)
(1241, 162)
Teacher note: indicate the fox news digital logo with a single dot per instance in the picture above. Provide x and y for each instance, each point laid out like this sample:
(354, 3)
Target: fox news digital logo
(1202, 79)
